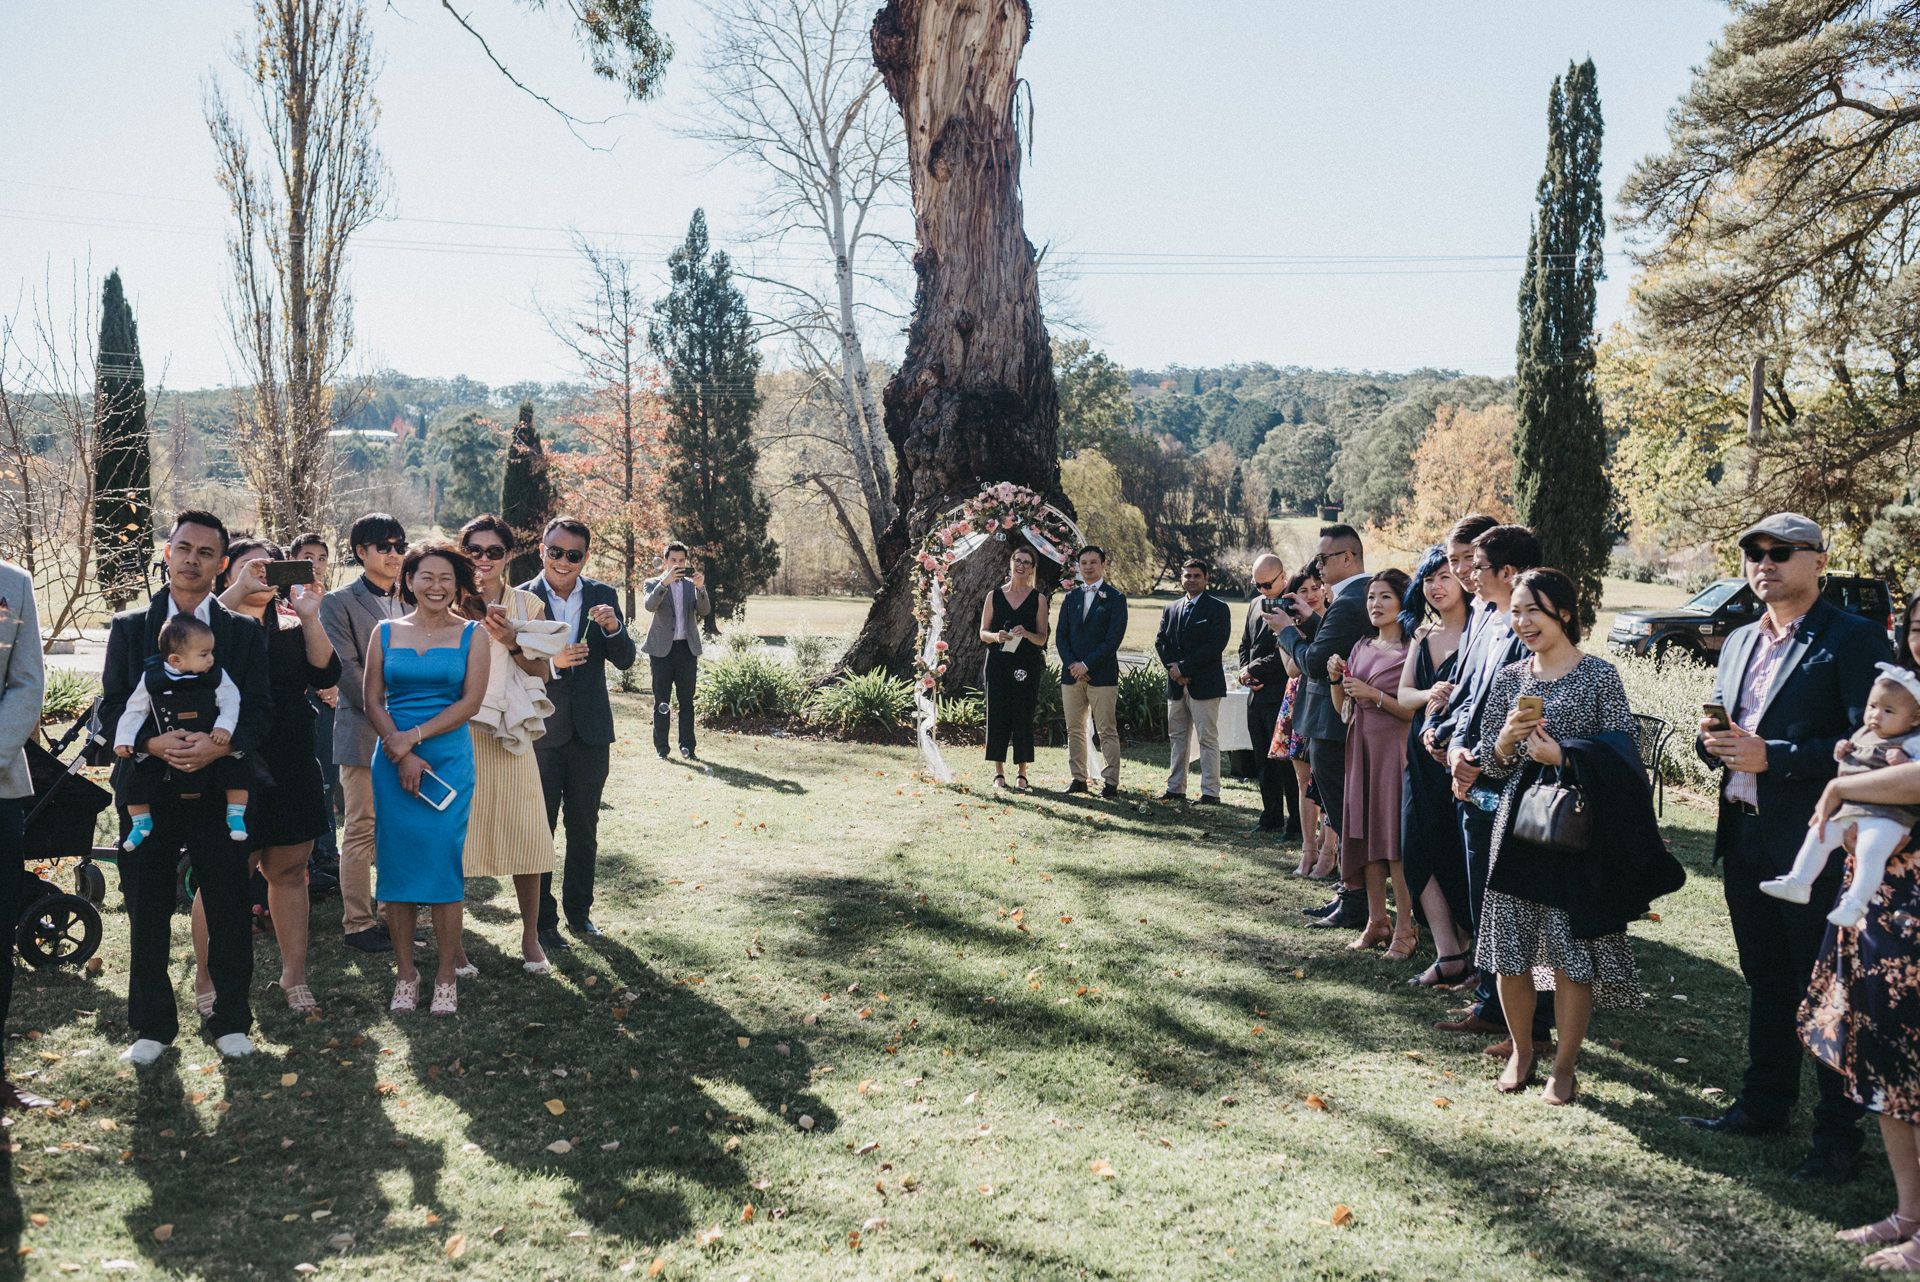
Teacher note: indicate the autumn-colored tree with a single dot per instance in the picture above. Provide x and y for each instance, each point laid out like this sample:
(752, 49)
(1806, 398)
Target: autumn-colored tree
(1464, 464)
(1107, 519)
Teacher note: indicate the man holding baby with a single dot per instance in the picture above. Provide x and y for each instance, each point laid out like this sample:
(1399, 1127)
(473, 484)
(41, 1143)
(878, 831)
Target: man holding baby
(1794, 684)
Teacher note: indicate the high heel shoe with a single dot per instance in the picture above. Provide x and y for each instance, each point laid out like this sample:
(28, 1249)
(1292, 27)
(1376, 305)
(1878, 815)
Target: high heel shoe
(1513, 1087)
(1546, 1096)
(1404, 945)
(1895, 1259)
(540, 967)
(406, 996)
(299, 998)
(1375, 935)
(446, 999)
(1432, 977)
(203, 1002)
(468, 971)
(1892, 1231)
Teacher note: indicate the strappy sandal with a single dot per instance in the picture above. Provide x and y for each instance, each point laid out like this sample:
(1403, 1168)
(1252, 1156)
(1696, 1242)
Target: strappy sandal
(468, 971)
(1376, 934)
(299, 998)
(1404, 946)
(406, 996)
(1896, 1228)
(203, 1002)
(446, 999)
(1431, 976)
(1546, 1098)
(1501, 1084)
(999, 781)
(1020, 782)
(1895, 1259)
(541, 967)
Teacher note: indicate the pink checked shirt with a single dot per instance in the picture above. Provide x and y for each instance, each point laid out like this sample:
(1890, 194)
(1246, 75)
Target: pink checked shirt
(1763, 665)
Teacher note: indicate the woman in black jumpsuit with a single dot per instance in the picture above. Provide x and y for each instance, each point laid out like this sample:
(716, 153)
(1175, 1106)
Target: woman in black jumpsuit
(1016, 610)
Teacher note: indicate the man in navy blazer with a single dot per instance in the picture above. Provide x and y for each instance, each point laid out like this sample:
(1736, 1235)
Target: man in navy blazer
(1093, 621)
(1794, 684)
(576, 751)
(1194, 632)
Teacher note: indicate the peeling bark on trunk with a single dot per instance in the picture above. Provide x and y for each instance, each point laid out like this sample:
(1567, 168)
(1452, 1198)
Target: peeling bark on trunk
(974, 399)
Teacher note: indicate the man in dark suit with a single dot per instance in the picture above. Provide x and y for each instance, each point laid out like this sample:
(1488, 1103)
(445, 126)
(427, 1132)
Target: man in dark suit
(677, 600)
(1093, 622)
(1312, 641)
(1264, 673)
(1793, 684)
(196, 553)
(1497, 555)
(1193, 635)
(576, 751)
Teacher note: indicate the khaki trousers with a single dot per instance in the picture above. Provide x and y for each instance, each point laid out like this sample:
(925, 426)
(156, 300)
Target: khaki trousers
(1081, 700)
(356, 851)
(1185, 715)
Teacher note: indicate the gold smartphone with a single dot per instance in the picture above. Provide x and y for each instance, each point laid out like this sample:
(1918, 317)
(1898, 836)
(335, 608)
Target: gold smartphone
(1530, 705)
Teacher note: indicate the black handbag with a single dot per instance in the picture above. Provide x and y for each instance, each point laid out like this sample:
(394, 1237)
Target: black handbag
(1553, 813)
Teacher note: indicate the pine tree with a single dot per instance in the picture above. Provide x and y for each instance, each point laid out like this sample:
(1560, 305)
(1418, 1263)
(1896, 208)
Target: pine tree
(704, 338)
(1559, 441)
(526, 496)
(122, 470)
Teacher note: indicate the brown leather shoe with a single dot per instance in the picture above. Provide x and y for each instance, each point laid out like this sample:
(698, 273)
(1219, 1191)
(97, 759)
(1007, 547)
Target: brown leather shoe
(13, 1098)
(1471, 1024)
(1504, 1050)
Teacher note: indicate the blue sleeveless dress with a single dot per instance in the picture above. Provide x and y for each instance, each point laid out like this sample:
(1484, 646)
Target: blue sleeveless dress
(417, 849)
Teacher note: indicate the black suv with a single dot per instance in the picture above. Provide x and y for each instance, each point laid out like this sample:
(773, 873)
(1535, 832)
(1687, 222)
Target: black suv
(1699, 628)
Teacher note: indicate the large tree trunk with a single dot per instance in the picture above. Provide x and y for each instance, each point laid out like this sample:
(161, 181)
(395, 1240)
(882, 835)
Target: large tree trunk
(974, 400)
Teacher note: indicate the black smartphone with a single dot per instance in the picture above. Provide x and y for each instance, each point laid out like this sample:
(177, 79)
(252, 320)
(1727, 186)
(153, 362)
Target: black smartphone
(282, 574)
(1716, 716)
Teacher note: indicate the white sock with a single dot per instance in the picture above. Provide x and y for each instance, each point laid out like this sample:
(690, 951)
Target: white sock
(144, 1051)
(234, 1045)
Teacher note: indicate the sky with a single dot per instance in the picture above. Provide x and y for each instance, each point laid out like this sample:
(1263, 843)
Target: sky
(1338, 186)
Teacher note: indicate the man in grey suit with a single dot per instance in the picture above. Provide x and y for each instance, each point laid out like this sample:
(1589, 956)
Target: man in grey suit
(349, 615)
(22, 685)
(577, 750)
(1313, 642)
(678, 601)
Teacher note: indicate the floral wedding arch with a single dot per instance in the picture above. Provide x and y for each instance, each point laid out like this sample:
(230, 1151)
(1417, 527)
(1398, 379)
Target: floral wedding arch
(989, 515)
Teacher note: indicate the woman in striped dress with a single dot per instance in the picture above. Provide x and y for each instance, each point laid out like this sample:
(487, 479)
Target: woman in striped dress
(507, 835)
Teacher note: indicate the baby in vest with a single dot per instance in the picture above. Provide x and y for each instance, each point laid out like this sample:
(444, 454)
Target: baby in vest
(1890, 737)
(182, 689)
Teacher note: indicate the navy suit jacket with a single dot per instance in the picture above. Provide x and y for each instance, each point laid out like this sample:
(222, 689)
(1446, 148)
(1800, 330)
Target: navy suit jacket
(1195, 637)
(1344, 626)
(1459, 725)
(584, 686)
(1094, 640)
(1818, 698)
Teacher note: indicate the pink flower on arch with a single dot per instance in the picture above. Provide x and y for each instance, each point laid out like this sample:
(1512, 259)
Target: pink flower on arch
(940, 645)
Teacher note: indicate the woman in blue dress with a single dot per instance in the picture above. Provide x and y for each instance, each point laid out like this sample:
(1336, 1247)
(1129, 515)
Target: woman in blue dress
(425, 679)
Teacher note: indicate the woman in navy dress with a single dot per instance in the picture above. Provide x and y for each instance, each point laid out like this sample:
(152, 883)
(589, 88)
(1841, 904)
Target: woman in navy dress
(425, 679)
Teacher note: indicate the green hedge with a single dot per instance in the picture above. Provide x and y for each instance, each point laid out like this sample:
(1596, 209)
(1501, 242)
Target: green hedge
(747, 684)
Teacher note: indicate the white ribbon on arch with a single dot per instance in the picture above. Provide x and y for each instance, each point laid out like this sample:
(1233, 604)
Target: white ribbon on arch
(926, 710)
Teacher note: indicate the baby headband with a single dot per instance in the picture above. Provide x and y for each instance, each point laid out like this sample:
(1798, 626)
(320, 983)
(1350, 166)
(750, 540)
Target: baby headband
(1902, 677)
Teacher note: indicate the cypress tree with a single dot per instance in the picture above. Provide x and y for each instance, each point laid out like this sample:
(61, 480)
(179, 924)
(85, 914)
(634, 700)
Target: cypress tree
(526, 496)
(1559, 440)
(705, 341)
(122, 469)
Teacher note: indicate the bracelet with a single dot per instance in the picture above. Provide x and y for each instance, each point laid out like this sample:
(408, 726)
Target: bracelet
(516, 651)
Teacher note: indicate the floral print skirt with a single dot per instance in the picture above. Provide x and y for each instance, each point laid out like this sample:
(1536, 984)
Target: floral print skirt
(1861, 1016)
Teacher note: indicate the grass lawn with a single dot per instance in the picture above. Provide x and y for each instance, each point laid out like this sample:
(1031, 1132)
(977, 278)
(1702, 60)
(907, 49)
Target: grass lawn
(920, 1032)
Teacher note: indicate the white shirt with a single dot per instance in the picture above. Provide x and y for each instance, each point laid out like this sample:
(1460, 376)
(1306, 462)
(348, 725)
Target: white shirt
(1092, 590)
(679, 607)
(202, 612)
(566, 608)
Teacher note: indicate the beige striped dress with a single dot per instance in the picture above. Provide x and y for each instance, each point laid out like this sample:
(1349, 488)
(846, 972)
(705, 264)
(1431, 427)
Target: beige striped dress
(507, 833)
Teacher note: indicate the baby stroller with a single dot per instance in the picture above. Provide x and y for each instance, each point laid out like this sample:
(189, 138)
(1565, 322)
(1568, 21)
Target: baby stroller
(58, 928)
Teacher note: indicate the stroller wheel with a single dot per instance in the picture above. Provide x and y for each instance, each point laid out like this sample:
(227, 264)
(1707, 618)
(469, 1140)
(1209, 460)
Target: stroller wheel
(90, 883)
(59, 930)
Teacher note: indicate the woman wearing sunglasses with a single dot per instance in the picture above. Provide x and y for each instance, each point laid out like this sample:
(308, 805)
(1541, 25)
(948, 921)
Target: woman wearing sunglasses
(508, 834)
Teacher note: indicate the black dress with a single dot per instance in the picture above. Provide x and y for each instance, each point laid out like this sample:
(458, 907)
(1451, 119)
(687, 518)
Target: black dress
(1013, 680)
(1430, 846)
(294, 809)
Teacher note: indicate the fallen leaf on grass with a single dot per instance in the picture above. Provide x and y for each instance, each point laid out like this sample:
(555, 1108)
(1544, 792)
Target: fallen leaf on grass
(342, 1242)
(456, 1246)
(289, 1079)
(38, 1220)
(746, 1213)
(1440, 1102)
(870, 1146)
(304, 1267)
(1102, 1168)
(1342, 1216)
(164, 1233)
(712, 1235)
(732, 1145)
(559, 1146)
(1314, 1101)
(865, 1011)
(556, 1107)
(611, 1146)
(866, 1085)
(1259, 1029)
(469, 1147)
(659, 1263)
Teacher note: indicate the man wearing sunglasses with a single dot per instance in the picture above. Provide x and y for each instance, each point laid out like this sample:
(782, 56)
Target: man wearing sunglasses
(1794, 683)
(576, 751)
(349, 615)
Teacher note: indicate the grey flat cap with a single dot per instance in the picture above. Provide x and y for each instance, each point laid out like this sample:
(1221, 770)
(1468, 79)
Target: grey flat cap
(1788, 527)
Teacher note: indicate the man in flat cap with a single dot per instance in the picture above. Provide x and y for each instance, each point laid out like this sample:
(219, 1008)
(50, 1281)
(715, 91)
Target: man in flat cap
(1793, 684)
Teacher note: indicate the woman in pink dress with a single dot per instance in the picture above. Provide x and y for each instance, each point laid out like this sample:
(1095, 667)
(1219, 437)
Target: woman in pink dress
(1369, 692)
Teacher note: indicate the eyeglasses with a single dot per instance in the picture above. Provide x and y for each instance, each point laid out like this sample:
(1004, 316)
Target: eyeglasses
(1264, 586)
(389, 545)
(486, 551)
(1322, 558)
(1779, 553)
(572, 556)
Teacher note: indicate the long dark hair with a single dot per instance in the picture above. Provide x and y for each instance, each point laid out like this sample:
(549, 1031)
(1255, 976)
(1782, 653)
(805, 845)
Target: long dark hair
(1397, 580)
(466, 594)
(1558, 594)
(1415, 604)
(238, 546)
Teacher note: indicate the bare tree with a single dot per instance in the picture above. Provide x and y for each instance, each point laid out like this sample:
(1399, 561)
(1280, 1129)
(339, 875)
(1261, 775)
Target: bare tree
(615, 483)
(792, 89)
(296, 204)
(49, 446)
